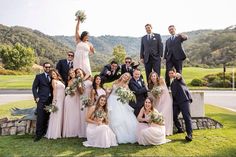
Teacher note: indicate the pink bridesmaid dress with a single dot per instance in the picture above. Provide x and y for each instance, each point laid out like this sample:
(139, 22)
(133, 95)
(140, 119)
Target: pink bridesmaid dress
(100, 136)
(151, 134)
(82, 114)
(56, 118)
(164, 105)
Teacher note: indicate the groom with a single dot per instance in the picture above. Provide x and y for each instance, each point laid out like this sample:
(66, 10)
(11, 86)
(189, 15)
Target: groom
(181, 102)
(137, 85)
(151, 51)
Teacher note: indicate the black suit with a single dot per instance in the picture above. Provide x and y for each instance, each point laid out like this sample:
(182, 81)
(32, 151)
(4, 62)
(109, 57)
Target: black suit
(124, 69)
(152, 51)
(174, 55)
(140, 94)
(109, 78)
(181, 103)
(63, 69)
(42, 89)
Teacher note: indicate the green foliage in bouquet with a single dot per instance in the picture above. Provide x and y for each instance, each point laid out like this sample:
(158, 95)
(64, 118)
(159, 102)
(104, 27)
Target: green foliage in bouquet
(125, 95)
(80, 15)
(156, 117)
(70, 90)
(86, 102)
(51, 108)
(157, 91)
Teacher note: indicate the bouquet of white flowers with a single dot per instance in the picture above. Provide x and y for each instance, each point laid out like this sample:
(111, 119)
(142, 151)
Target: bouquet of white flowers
(51, 108)
(86, 102)
(156, 117)
(125, 95)
(100, 114)
(157, 91)
(80, 15)
(70, 90)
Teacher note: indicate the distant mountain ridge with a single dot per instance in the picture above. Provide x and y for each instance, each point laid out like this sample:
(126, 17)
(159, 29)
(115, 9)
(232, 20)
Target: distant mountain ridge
(204, 47)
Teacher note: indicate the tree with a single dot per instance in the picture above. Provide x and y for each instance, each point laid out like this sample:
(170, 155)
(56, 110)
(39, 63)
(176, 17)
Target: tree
(119, 53)
(16, 57)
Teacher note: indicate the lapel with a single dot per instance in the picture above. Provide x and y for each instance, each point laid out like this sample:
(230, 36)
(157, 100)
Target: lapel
(44, 78)
(136, 83)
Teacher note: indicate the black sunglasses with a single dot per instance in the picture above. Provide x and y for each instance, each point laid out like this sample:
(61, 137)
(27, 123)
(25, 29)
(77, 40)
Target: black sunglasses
(127, 62)
(47, 67)
(70, 55)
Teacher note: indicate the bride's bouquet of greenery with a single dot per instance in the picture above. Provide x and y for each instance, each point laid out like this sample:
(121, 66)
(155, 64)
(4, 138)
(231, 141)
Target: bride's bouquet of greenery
(70, 90)
(157, 91)
(86, 102)
(80, 15)
(51, 108)
(156, 117)
(125, 95)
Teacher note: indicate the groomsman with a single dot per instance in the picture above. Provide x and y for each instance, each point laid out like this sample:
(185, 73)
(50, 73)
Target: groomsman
(137, 85)
(64, 65)
(128, 66)
(42, 91)
(174, 52)
(151, 51)
(181, 102)
(110, 72)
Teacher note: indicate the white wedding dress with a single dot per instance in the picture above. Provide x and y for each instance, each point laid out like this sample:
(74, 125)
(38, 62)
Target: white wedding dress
(121, 119)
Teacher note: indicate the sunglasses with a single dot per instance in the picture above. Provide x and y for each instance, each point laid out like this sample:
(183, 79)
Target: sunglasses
(70, 55)
(127, 62)
(47, 67)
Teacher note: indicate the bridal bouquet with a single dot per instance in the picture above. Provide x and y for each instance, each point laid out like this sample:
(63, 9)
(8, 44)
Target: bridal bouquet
(156, 117)
(51, 108)
(100, 114)
(125, 95)
(70, 90)
(157, 91)
(80, 15)
(86, 102)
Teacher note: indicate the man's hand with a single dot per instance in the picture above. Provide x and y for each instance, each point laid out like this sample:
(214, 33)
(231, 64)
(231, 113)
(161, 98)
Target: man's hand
(37, 100)
(142, 61)
(108, 73)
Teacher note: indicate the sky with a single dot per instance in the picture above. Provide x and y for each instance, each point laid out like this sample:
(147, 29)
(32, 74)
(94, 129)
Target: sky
(118, 17)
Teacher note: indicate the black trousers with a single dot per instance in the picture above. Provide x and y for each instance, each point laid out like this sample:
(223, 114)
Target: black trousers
(177, 64)
(42, 118)
(185, 110)
(107, 79)
(154, 65)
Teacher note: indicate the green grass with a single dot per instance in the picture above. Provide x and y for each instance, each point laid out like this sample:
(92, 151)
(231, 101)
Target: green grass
(25, 81)
(215, 142)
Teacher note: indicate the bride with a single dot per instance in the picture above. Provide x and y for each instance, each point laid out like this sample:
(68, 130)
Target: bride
(121, 117)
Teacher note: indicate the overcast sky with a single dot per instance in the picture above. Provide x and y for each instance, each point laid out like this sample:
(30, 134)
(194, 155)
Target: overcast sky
(118, 17)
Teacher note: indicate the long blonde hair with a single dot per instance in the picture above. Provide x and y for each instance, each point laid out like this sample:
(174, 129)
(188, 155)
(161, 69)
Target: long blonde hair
(120, 79)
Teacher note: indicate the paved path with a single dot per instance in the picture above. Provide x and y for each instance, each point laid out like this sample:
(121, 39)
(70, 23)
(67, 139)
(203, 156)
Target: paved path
(225, 99)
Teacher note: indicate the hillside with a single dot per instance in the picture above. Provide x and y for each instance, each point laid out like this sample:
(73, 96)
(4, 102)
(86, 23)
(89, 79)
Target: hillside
(208, 48)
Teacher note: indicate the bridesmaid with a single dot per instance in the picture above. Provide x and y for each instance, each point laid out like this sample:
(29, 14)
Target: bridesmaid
(86, 93)
(99, 133)
(97, 90)
(164, 103)
(149, 133)
(71, 111)
(55, 121)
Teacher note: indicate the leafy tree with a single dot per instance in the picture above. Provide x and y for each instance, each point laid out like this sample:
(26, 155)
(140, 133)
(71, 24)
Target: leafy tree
(119, 53)
(16, 57)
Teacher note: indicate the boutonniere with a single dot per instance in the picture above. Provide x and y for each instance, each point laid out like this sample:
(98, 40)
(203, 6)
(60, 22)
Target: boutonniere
(154, 39)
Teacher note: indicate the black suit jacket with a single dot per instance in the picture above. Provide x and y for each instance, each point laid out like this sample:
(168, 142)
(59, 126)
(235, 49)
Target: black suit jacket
(151, 48)
(41, 88)
(124, 70)
(108, 68)
(175, 49)
(139, 91)
(180, 92)
(63, 69)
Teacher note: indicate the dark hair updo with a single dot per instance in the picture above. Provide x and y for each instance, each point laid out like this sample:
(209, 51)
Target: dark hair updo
(83, 34)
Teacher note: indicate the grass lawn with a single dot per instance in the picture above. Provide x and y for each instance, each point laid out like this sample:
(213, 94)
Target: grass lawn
(215, 142)
(25, 81)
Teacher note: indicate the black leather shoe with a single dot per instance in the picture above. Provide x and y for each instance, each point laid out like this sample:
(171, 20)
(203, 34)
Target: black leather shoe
(37, 138)
(189, 138)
